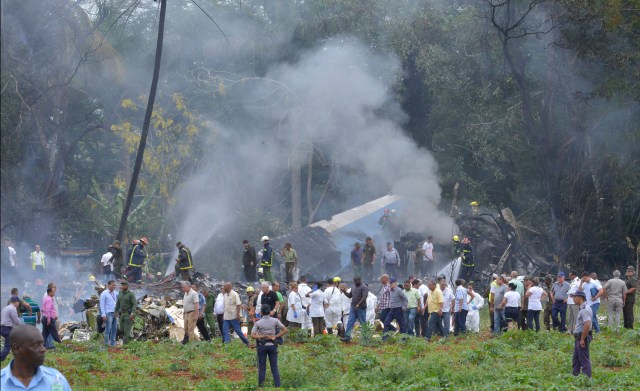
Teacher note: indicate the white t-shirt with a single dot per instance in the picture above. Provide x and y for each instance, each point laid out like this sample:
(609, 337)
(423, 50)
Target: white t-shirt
(332, 295)
(105, 259)
(303, 289)
(12, 256)
(534, 299)
(422, 290)
(372, 302)
(428, 251)
(587, 291)
(513, 299)
(218, 306)
(573, 289)
(316, 309)
(294, 300)
(447, 295)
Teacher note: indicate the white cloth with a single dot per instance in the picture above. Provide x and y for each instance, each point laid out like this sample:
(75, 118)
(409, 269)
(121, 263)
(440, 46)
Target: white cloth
(535, 297)
(218, 306)
(295, 301)
(303, 289)
(105, 260)
(573, 289)
(448, 297)
(422, 290)
(372, 303)
(12, 255)
(598, 286)
(513, 299)
(473, 317)
(316, 309)
(428, 250)
(333, 313)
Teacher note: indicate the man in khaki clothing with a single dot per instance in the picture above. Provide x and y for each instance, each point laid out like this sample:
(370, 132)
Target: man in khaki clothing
(616, 291)
(190, 304)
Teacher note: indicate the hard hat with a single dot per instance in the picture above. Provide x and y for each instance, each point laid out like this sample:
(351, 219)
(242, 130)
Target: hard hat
(92, 277)
(456, 238)
(336, 279)
(144, 240)
(250, 289)
(265, 238)
(474, 203)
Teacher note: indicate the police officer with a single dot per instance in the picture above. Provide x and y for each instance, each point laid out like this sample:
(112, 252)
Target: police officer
(267, 259)
(126, 309)
(184, 263)
(582, 334)
(264, 331)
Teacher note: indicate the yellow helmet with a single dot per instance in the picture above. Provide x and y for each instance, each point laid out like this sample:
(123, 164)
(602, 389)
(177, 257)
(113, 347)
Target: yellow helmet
(92, 277)
(250, 289)
(456, 238)
(336, 279)
(474, 203)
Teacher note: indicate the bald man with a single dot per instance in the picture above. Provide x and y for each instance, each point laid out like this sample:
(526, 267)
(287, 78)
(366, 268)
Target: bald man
(26, 371)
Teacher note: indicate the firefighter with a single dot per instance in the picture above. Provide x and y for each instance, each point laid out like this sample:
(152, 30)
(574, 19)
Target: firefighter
(467, 260)
(267, 259)
(136, 256)
(475, 208)
(184, 263)
(457, 247)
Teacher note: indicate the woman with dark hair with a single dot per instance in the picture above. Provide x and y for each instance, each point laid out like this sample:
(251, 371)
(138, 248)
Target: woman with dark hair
(266, 331)
(511, 305)
(535, 295)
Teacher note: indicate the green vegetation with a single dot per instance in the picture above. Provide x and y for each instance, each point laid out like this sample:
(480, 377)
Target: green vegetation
(515, 361)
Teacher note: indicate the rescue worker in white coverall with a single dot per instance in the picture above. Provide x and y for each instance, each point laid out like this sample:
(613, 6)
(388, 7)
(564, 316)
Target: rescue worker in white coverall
(475, 302)
(333, 313)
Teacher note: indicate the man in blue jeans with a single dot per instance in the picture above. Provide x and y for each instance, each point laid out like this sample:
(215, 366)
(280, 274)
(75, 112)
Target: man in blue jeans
(498, 308)
(593, 291)
(108, 299)
(461, 308)
(358, 296)
(232, 314)
(435, 305)
(559, 298)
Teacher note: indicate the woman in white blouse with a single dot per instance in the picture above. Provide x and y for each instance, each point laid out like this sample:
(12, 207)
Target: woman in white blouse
(535, 295)
(511, 305)
(296, 313)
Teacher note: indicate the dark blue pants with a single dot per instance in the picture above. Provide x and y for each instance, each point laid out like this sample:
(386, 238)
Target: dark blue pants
(434, 322)
(411, 316)
(559, 308)
(581, 359)
(134, 274)
(446, 323)
(383, 316)
(594, 320)
(270, 351)
(533, 316)
(360, 315)
(50, 330)
(460, 325)
(391, 269)
(396, 314)
(7, 344)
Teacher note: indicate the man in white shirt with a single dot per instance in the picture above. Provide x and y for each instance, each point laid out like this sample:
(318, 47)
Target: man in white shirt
(429, 258)
(423, 316)
(108, 299)
(572, 307)
(592, 288)
(13, 257)
(448, 297)
(303, 289)
(107, 265)
(218, 310)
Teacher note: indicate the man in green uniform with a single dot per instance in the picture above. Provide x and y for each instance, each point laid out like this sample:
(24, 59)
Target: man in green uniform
(209, 316)
(126, 309)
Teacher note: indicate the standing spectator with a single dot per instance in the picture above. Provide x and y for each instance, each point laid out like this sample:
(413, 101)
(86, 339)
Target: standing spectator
(49, 317)
(359, 296)
(209, 316)
(249, 261)
(632, 287)
(48, 342)
(295, 312)
(282, 308)
(547, 302)
(520, 288)
(13, 256)
(391, 260)
(303, 289)
(316, 309)
(269, 297)
(251, 307)
(559, 297)
(369, 257)
(266, 333)
(435, 308)
(582, 334)
(25, 371)
(384, 300)
(116, 250)
(593, 290)
(460, 308)
(572, 307)
(423, 315)
(218, 310)
(447, 306)
(499, 305)
(333, 312)
(37, 262)
(492, 291)
(191, 310)
(290, 260)
(397, 307)
(475, 303)
(616, 291)
(511, 305)
(9, 319)
(126, 310)
(108, 299)
(356, 259)
(233, 314)
(200, 323)
(535, 294)
(107, 265)
(419, 267)
(429, 256)
(267, 259)
(414, 307)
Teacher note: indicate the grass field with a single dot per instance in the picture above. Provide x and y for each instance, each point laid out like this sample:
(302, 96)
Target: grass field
(514, 361)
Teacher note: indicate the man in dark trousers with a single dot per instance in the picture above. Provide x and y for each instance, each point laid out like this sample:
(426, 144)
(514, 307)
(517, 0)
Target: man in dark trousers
(249, 261)
(632, 285)
(116, 250)
(267, 259)
(136, 257)
(582, 335)
(125, 310)
(184, 263)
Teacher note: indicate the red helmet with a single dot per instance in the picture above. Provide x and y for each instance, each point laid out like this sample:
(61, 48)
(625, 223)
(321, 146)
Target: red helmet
(144, 241)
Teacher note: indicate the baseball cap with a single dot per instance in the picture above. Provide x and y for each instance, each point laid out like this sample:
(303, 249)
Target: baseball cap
(580, 293)
(393, 279)
(561, 274)
(15, 298)
(631, 269)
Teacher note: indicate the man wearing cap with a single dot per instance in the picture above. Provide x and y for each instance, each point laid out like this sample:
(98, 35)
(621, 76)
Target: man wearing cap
(391, 260)
(356, 259)
(136, 257)
(559, 297)
(616, 291)
(572, 307)
(397, 306)
(249, 261)
(632, 286)
(267, 259)
(368, 258)
(9, 319)
(125, 309)
(582, 334)
(333, 312)
(184, 263)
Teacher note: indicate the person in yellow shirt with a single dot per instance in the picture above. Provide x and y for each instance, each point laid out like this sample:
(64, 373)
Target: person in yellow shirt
(435, 302)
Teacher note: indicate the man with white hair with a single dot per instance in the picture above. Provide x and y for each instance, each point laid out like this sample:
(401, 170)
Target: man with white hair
(616, 291)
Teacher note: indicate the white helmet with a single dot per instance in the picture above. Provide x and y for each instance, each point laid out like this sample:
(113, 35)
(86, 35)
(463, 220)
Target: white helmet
(264, 238)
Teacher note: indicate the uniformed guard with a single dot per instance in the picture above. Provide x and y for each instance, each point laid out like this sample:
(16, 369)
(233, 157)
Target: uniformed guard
(264, 331)
(582, 334)
(126, 309)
